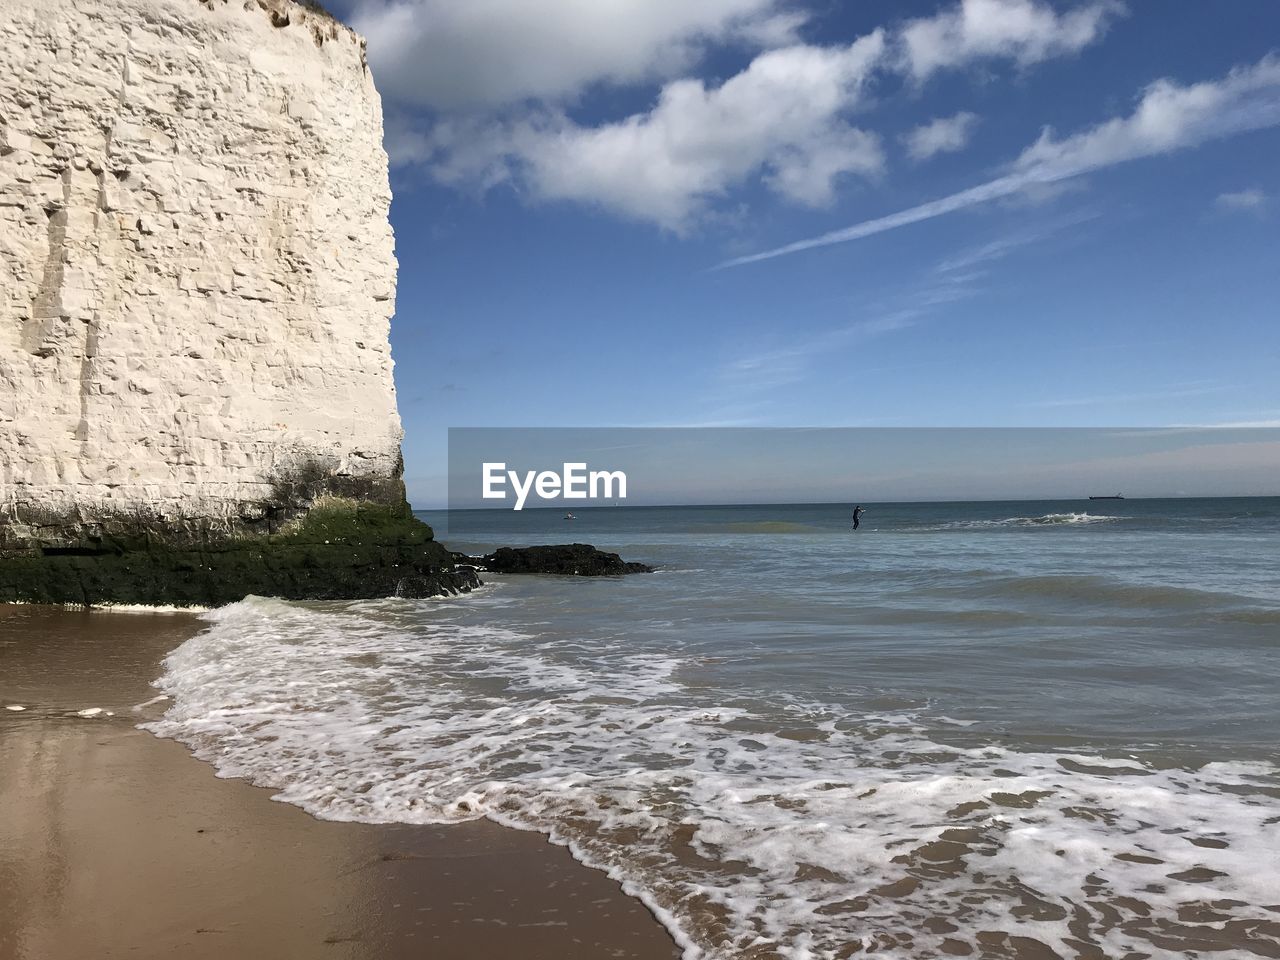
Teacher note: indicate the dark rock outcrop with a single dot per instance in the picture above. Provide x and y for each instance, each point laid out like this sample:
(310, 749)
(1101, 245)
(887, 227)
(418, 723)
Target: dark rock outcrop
(568, 559)
(341, 549)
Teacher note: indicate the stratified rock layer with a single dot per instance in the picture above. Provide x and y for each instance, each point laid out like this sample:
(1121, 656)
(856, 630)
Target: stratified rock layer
(197, 278)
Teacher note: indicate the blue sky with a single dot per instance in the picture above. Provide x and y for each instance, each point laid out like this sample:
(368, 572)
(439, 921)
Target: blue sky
(583, 191)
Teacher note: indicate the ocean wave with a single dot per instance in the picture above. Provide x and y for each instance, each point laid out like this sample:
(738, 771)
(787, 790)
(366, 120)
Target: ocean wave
(791, 830)
(1045, 520)
(1256, 616)
(1100, 592)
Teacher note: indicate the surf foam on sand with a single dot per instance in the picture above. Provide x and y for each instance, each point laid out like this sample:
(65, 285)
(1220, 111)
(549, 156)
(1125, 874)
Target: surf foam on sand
(787, 829)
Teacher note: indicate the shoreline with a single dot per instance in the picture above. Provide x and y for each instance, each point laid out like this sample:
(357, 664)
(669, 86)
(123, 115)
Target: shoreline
(117, 843)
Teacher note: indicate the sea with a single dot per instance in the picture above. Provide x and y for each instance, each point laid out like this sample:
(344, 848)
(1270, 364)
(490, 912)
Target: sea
(991, 729)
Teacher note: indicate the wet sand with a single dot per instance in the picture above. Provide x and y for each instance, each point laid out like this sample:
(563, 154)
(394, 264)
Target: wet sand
(116, 844)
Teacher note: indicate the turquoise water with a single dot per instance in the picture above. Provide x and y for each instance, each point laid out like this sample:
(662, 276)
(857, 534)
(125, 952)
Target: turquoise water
(998, 729)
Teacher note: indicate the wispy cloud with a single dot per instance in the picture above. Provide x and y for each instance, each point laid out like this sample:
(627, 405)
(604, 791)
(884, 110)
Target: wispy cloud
(1194, 388)
(1246, 425)
(764, 370)
(1168, 117)
(959, 277)
(941, 135)
(1247, 201)
(1267, 423)
(979, 256)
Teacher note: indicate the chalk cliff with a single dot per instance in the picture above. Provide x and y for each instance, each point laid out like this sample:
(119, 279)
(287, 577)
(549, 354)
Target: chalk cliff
(197, 278)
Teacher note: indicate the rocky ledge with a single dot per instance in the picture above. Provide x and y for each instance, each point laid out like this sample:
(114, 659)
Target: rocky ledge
(341, 549)
(568, 559)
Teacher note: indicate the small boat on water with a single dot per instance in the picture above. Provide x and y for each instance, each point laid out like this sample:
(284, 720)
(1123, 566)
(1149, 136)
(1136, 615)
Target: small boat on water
(1113, 496)
(570, 516)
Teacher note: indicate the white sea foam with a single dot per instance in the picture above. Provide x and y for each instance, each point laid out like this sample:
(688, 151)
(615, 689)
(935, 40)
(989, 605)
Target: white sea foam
(116, 607)
(791, 829)
(1045, 520)
(148, 608)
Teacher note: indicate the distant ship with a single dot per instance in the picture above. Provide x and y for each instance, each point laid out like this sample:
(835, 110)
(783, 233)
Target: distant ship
(1114, 496)
(570, 516)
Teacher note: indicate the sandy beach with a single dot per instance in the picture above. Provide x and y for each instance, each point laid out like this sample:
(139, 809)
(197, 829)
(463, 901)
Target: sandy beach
(116, 844)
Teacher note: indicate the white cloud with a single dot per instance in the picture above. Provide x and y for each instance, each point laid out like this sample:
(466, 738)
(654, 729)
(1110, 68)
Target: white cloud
(1021, 30)
(1249, 201)
(462, 152)
(1168, 117)
(942, 135)
(781, 116)
(782, 119)
(497, 78)
(447, 54)
(777, 30)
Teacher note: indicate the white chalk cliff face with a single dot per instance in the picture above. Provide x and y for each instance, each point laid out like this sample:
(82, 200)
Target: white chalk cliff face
(196, 268)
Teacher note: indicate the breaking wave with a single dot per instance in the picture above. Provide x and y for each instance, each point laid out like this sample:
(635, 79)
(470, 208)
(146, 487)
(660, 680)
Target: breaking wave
(1045, 520)
(751, 828)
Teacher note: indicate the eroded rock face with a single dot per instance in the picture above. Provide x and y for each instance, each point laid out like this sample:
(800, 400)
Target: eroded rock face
(196, 266)
(197, 278)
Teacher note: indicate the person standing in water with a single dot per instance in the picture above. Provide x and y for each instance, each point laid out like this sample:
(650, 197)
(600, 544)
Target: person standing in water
(857, 513)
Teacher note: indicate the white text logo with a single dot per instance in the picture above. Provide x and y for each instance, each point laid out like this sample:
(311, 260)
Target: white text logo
(575, 482)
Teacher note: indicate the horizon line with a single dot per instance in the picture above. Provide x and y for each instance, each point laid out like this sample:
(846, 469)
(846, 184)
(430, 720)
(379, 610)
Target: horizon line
(823, 503)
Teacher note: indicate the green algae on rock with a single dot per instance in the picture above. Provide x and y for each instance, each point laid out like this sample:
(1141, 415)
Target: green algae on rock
(340, 549)
(196, 391)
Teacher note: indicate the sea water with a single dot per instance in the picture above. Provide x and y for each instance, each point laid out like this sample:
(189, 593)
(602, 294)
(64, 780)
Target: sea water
(987, 729)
